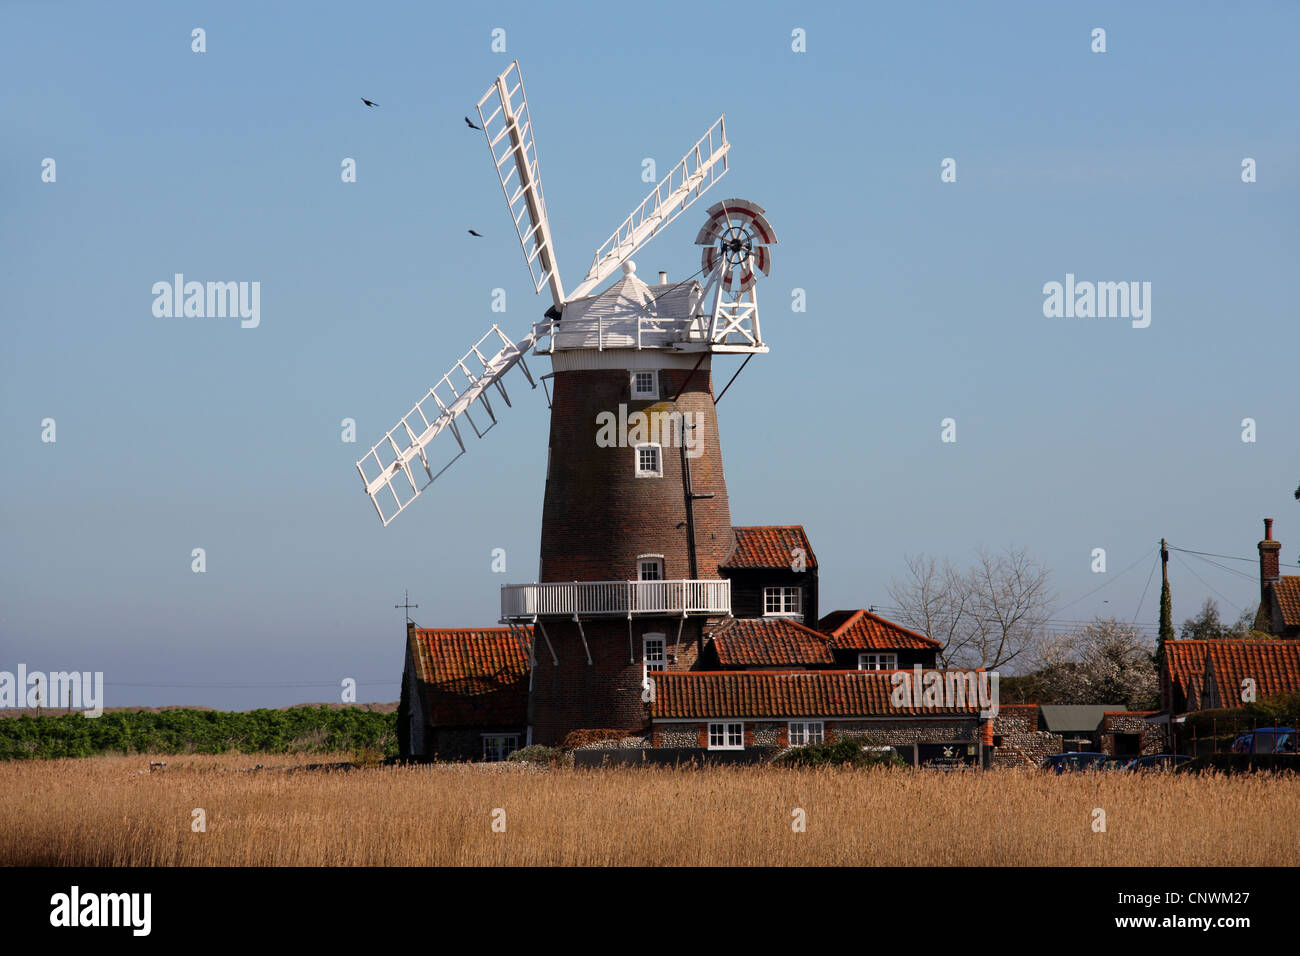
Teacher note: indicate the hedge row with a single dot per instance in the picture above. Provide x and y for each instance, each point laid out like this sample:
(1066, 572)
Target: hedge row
(296, 730)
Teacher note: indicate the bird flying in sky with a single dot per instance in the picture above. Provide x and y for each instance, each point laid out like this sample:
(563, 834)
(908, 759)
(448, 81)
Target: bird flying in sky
(473, 233)
(368, 102)
(470, 123)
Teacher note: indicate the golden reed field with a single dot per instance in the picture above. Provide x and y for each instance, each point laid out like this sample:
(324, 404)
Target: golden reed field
(111, 811)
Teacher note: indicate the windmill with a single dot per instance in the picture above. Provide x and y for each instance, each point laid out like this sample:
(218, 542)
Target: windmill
(618, 533)
(398, 468)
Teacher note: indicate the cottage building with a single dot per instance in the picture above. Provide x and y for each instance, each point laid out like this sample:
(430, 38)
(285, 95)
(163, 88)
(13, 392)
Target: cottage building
(1205, 675)
(1279, 594)
(732, 710)
(761, 677)
(464, 692)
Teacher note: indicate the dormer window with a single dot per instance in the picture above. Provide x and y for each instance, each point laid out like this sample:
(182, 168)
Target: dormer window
(645, 385)
(782, 602)
(878, 662)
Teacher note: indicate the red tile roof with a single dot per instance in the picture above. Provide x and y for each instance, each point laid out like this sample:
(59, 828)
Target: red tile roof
(473, 675)
(770, 546)
(1287, 591)
(1273, 665)
(770, 642)
(698, 695)
(865, 631)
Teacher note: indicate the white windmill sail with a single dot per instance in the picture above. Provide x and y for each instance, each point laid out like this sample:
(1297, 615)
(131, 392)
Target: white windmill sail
(397, 469)
(699, 169)
(508, 126)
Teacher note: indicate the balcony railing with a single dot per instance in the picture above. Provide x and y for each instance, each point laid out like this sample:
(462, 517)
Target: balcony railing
(599, 598)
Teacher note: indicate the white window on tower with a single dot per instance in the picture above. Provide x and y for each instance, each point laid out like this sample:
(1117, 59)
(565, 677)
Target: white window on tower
(726, 736)
(649, 461)
(654, 654)
(497, 747)
(878, 662)
(650, 567)
(645, 385)
(804, 732)
(783, 602)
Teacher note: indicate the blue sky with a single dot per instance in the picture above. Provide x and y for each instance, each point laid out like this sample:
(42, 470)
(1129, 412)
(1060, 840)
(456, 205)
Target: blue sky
(924, 302)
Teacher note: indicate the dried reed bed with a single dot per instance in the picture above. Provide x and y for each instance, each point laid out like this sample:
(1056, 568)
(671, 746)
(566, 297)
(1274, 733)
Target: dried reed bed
(106, 811)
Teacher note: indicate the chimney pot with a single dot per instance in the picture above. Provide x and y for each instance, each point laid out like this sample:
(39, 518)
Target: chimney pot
(663, 277)
(1268, 522)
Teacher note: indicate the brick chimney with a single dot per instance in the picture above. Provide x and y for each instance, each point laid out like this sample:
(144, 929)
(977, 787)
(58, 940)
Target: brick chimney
(1268, 562)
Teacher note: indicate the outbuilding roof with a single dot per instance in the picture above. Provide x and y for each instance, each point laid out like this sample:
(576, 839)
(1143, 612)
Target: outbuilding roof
(472, 675)
(1077, 718)
(771, 546)
(769, 642)
(1287, 592)
(864, 631)
(782, 694)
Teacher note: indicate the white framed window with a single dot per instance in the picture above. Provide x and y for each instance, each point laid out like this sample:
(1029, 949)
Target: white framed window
(649, 461)
(654, 653)
(726, 736)
(876, 661)
(497, 747)
(783, 601)
(645, 384)
(650, 567)
(803, 732)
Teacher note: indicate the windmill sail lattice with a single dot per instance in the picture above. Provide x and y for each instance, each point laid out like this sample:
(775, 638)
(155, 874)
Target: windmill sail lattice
(699, 169)
(508, 126)
(397, 469)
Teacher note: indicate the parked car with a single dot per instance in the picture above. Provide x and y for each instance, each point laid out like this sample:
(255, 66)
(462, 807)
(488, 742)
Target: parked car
(1061, 763)
(1154, 763)
(1267, 740)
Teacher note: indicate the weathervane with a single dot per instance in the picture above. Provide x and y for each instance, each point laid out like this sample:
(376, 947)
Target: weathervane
(407, 605)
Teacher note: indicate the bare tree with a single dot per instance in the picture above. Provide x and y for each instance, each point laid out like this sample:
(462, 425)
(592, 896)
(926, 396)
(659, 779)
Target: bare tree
(987, 616)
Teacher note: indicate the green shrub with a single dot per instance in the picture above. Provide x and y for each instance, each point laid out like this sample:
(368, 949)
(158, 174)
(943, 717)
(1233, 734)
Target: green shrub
(548, 756)
(296, 730)
(847, 751)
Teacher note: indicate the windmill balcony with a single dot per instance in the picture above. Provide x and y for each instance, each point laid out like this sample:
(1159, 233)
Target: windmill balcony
(615, 598)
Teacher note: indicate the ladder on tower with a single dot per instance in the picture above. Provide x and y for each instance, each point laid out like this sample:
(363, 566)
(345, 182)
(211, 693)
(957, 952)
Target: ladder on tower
(397, 469)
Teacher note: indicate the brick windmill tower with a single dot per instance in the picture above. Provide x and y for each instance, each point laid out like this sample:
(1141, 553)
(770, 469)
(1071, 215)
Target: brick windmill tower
(635, 521)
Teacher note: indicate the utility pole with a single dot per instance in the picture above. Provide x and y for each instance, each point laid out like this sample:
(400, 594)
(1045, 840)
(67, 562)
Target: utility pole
(1166, 634)
(1166, 604)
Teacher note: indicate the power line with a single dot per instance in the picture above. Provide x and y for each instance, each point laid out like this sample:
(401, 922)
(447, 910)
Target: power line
(1065, 623)
(1229, 557)
(1207, 584)
(1109, 582)
(1155, 565)
(1224, 567)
